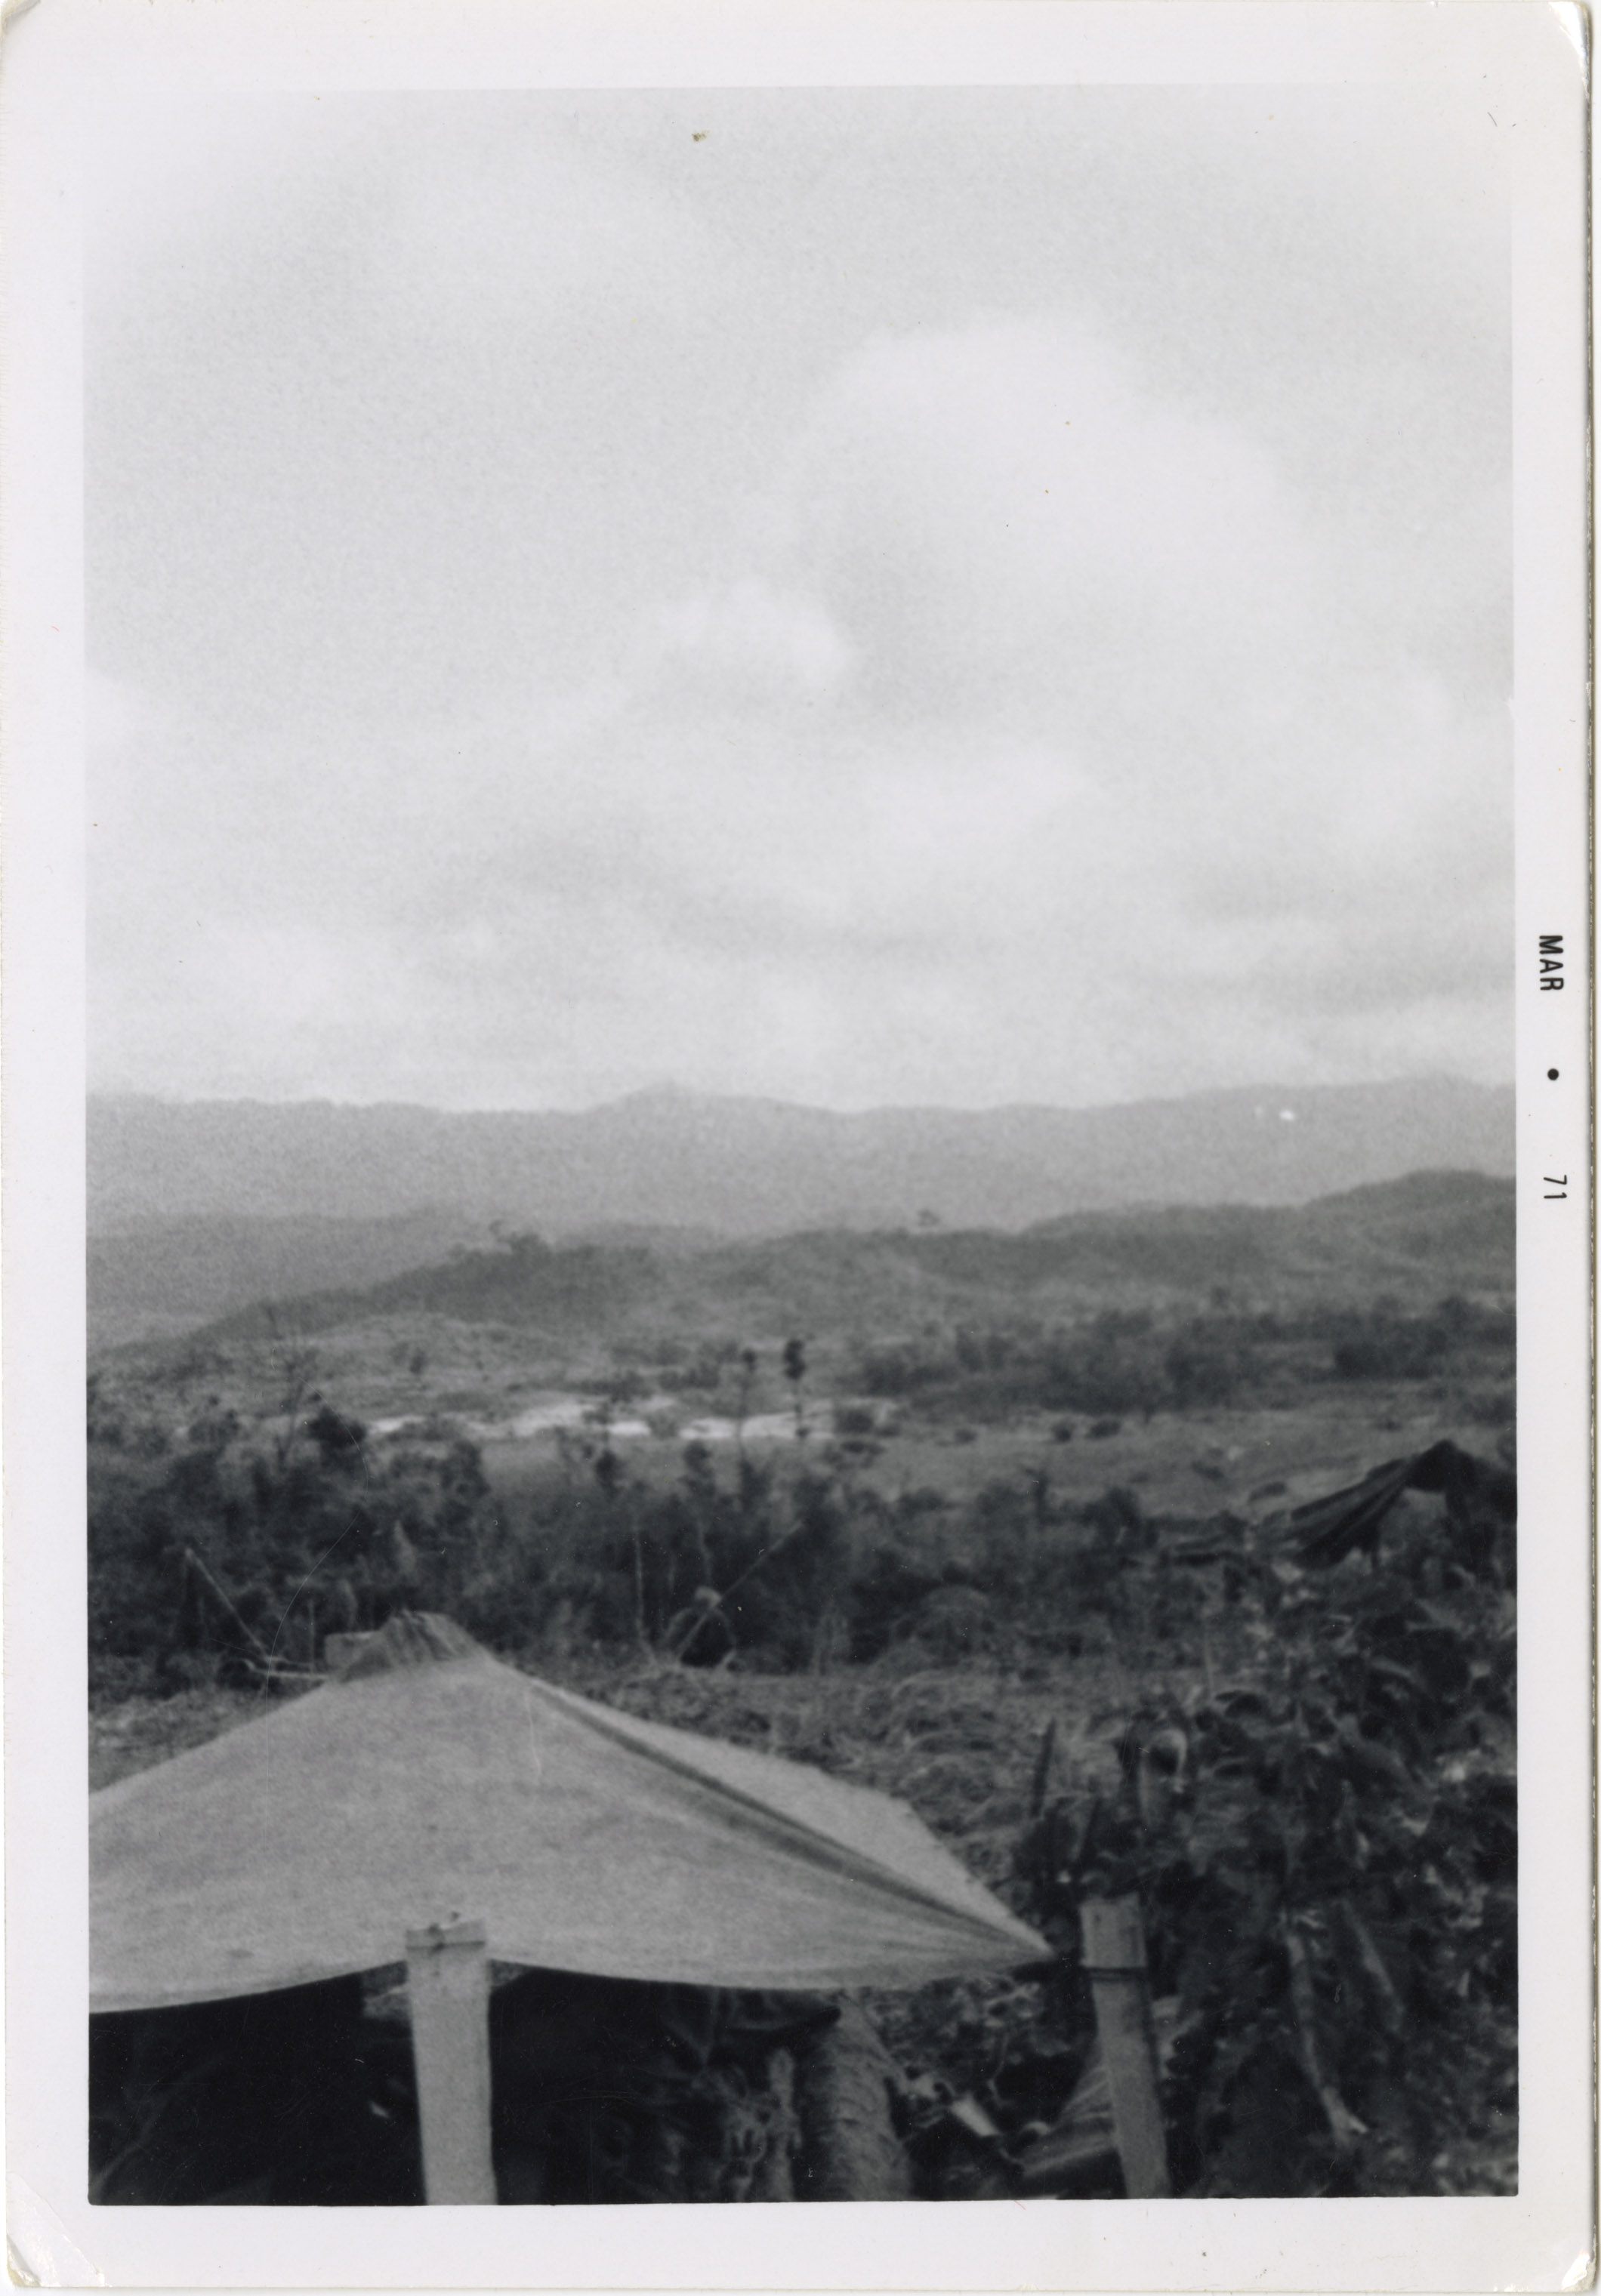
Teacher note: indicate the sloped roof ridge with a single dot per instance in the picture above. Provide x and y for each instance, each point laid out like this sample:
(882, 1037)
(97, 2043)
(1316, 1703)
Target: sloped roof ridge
(408, 1639)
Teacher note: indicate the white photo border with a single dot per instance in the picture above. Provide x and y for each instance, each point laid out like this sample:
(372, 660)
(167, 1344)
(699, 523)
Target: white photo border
(59, 59)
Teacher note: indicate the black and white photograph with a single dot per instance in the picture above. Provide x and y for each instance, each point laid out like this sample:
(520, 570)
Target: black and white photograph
(817, 1022)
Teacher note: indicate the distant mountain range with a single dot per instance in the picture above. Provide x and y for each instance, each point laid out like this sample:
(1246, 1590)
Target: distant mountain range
(198, 1209)
(670, 1159)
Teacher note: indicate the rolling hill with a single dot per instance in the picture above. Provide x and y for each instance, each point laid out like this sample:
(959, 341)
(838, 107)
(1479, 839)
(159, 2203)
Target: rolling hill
(1419, 1238)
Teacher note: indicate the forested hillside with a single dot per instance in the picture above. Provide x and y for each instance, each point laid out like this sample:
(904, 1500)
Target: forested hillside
(1445, 1231)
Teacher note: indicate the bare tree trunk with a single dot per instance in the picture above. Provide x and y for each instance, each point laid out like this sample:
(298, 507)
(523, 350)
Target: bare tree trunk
(644, 1639)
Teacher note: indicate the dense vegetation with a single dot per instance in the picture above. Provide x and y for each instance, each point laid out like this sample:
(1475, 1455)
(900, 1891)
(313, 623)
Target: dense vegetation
(1327, 1864)
(1431, 1235)
(1133, 1360)
(325, 1532)
(230, 1537)
(221, 1550)
(1321, 1829)
(906, 1547)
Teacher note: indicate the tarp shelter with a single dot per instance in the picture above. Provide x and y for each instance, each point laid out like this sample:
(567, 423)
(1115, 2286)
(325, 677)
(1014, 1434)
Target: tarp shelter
(1481, 1504)
(433, 1790)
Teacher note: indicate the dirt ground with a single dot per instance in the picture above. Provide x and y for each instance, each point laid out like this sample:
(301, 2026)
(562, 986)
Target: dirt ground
(958, 1744)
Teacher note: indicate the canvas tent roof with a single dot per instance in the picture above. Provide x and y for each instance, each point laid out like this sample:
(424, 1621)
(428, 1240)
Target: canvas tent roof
(308, 1844)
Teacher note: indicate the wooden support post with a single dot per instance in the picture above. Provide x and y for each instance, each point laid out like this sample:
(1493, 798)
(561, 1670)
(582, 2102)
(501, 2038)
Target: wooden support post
(447, 1981)
(1114, 1956)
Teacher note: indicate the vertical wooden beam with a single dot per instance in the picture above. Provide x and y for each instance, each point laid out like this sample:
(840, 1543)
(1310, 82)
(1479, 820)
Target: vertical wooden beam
(448, 1981)
(1114, 1956)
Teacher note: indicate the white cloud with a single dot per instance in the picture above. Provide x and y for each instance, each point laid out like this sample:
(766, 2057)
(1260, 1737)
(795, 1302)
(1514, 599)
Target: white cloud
(567, 638)
(746, 635)
(1003, 502)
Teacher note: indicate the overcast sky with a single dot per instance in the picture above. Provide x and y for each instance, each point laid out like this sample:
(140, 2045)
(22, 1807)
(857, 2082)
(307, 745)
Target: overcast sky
(953, 596)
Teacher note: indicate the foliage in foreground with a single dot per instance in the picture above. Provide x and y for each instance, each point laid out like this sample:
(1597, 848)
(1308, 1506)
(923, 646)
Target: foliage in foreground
(1324, 1843)
(1328, 1866)
(228, 1547)
(231, 1543)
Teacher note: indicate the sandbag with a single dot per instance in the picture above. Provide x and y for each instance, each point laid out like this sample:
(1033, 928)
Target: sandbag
(845, 2080)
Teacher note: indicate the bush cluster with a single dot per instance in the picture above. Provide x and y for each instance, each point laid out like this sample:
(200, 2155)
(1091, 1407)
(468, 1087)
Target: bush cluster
(1383, 1343)
(207, 1552)
(1126, 1362)
(1328, 1866)
(219, 1548)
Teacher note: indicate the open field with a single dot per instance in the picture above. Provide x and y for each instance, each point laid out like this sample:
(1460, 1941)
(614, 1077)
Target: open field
(1254, 1461)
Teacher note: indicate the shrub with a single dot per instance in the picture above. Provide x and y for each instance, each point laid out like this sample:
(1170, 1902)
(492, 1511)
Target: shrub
(1327, 1871)
(886, 1592)
(1206, 1366)
(299, 1540)
(856, 1419)
(954, 1622)
(1386, 1344)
